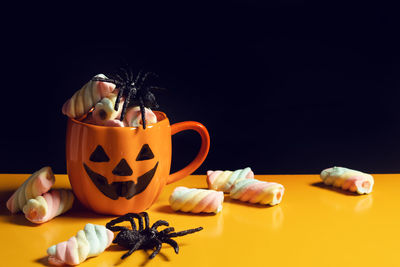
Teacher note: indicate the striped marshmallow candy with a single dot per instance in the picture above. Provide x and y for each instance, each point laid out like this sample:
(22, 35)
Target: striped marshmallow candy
(49, 205)
(86, 98)
(348, 179)
(38, 183)
(224, 180)
(196, 200)
(104, 110)
(255, 191)
(89, 242)
(133, 116)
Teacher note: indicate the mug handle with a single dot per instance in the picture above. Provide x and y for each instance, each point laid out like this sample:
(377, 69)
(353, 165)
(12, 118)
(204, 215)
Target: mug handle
(201, 155)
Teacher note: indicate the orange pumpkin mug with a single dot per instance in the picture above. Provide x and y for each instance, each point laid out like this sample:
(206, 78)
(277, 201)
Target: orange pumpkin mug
(116, 170)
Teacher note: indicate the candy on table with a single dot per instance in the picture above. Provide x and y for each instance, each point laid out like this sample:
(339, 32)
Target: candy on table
(87, 97)
(255, 191)
(38, 183)
(224, 180)
(196, 200)
(49, 205)
(348, 179)
(89, 242)
(133, 116)
(104, 110)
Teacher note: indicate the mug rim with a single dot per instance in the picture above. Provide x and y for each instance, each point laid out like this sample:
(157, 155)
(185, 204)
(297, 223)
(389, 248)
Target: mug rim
(161, 114)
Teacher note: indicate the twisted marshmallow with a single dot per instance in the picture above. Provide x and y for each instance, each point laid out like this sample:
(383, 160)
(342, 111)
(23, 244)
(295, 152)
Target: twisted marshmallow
(38, 183)
(85, 98)
(89, 242)
(224, 180)
(196, 200)
(134, 116)
(255, 191)
(347, 179)
(51, 204)
(104, 110)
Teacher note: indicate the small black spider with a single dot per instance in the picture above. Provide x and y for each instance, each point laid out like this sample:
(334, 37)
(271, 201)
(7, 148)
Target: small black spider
(145, 238)
(133, 89)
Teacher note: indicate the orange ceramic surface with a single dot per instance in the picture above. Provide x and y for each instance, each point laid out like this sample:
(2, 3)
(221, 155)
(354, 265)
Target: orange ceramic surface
(116, 170)
(314, 225)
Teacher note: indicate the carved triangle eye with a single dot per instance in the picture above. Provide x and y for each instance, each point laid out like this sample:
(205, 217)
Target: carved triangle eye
(99, 155)
(145, 153)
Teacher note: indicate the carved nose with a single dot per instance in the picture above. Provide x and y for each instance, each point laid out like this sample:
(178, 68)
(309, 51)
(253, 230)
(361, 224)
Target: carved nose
(122, 169)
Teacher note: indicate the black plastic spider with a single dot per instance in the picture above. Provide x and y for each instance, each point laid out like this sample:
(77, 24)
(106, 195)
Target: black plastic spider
(145, 238)
(133, 89)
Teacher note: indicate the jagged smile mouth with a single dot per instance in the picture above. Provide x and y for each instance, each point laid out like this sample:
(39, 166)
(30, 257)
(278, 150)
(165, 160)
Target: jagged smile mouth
(116, 190)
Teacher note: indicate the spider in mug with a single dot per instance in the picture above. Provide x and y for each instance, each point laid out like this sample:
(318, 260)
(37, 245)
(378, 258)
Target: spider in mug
(135, 90)
(145, 237)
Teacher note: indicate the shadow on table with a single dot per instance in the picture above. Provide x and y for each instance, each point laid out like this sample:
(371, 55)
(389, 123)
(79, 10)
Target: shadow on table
(17, 218)
(334, 189)
(43, 261)
(122, 251)
(167, 209)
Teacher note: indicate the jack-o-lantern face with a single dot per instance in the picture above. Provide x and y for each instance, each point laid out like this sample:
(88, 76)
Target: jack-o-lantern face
(126, 189)
(116, 170)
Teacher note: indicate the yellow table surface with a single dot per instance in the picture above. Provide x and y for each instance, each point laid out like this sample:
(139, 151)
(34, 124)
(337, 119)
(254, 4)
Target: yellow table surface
(314, 225)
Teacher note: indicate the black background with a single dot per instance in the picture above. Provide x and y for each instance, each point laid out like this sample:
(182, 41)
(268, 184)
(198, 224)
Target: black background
(289, 87)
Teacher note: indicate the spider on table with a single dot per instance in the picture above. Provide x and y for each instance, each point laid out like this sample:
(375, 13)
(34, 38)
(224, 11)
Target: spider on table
(145, 237)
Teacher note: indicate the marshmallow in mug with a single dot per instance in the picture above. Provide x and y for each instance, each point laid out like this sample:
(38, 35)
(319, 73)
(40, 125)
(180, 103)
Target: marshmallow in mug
(104, 110)
(86, 98)
(133, 117)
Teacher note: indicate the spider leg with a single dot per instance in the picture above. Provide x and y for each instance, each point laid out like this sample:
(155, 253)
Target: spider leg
(127, 217)
(126, 103)
(157, 250)
(120, 92)
(124, 70)
(106, 80)
(137, 216)
(111, 225)
(167, 230)
(147, 74)
(173, 244)
(143, 112)
(186, 232)
(119, 76)
(138, 76)
(135, 247)
(159, 223)
(146, 219)
(130, 74)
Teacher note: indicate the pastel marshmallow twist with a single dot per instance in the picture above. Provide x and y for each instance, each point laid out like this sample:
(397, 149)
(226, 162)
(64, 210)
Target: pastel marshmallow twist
(104, 110)
(348, 179)
(89, 242)
(224, 180)
(49, 205)
(37, 184)
(86, 98)
(133, 117)
(255, 191)
(196, 200)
